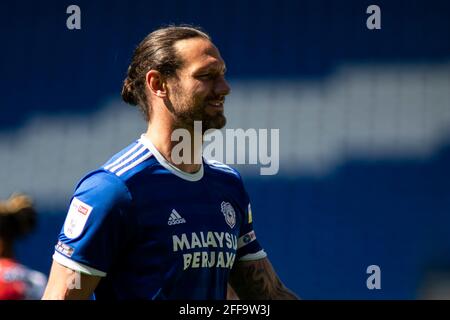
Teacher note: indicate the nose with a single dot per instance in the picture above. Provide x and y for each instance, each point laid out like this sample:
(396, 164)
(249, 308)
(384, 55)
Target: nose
(222, 87)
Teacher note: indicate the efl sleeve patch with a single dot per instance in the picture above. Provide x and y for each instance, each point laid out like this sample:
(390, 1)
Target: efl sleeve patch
(76, 218)
(246, 239)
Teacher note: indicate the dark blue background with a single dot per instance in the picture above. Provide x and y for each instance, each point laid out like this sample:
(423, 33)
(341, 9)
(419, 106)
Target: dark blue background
(320, 233)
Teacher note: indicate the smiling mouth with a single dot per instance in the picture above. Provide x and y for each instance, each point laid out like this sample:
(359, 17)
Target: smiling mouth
(216, 103)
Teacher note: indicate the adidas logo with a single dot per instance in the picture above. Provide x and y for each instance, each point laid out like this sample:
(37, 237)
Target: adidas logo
(175, 218)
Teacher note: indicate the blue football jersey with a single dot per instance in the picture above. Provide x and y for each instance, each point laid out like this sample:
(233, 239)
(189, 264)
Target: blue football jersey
(152, 231)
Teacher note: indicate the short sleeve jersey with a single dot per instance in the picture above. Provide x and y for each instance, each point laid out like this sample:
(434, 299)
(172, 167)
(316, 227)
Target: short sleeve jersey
(152, 231)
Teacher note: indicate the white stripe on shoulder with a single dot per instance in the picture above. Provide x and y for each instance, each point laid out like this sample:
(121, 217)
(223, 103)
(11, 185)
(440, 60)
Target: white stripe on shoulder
(134, 164)
(261, 254)
(122, 157)
(77, 266)
(129, 159)
(218, 164)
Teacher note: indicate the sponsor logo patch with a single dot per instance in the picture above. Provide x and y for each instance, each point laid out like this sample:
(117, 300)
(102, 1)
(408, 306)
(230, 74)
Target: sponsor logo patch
(76, 218)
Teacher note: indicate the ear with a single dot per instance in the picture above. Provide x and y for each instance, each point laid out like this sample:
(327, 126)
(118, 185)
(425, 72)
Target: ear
(155, 83)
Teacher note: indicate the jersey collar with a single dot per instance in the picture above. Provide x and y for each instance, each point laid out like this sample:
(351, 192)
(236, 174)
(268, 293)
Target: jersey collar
(166, 164)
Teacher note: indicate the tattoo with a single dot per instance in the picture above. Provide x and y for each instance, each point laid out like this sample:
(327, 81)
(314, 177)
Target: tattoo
(258, 280)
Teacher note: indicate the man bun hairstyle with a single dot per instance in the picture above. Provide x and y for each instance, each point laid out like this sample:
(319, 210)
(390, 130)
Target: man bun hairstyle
(155, 52)
(128, 92)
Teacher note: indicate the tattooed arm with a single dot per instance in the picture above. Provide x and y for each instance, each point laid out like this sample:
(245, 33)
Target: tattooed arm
(257, 280)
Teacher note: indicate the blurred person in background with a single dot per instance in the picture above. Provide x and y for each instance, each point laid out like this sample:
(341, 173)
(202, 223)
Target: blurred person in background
(17, 282)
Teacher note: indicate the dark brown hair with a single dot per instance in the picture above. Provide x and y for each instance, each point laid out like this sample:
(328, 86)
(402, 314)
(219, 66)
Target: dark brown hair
(155, 52)
(17, 217)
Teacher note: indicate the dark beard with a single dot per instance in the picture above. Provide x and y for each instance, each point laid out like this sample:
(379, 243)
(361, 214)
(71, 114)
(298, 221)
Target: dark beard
(185, 117)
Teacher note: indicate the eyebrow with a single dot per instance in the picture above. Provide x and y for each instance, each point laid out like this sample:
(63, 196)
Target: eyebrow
(211, 66)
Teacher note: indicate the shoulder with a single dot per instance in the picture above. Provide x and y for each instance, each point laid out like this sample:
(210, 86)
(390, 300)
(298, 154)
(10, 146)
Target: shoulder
(101, 187)
(230, 181)
(226, 174)
(221, 169)
(113, 177)
(99, 196)
(130, 161)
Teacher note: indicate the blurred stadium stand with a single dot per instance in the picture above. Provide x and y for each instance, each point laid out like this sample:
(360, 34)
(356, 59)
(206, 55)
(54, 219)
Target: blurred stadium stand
(364, 120)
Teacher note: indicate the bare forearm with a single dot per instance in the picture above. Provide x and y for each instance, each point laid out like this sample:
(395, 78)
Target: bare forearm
(258, 280)
(66, 284)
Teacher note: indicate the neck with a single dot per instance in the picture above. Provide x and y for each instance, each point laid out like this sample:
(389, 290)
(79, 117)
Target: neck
(160, 132)
(6, 249)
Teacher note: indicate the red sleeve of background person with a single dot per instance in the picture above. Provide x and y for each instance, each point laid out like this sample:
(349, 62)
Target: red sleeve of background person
(11, 286)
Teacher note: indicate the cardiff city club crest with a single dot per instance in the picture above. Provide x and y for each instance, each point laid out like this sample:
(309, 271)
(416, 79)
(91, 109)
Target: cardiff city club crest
(228, 212)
